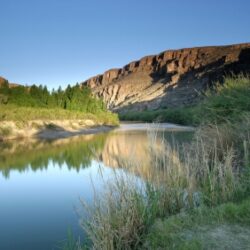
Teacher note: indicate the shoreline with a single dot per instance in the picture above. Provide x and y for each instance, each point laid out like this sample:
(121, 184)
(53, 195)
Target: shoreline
(59, 129)
(50, 134)
(145, 126)
(50, 129)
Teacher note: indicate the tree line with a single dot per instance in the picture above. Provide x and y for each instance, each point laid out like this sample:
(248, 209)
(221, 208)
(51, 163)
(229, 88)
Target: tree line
(72, 98)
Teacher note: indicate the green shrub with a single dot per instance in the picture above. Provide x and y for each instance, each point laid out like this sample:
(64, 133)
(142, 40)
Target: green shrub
(5, 131)
(227, 101)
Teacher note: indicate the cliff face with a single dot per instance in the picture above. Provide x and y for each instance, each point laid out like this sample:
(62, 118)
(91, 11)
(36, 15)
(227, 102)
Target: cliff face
(2, 80)
(11, 85)
(172, 78)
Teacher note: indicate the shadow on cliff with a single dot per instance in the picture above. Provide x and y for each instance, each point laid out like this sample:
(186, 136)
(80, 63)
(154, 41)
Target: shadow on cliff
(191, 85)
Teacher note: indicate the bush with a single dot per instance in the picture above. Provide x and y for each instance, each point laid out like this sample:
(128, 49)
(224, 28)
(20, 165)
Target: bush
(227, 101)
(224, 102)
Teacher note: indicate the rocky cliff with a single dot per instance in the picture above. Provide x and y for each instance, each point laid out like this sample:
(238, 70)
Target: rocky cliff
(11, 85)
(2, 80)
(172, 78)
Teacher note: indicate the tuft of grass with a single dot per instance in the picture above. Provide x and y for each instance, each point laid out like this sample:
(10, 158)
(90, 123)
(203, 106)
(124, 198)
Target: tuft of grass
(118, 217)
(71, 243)
(5, 131)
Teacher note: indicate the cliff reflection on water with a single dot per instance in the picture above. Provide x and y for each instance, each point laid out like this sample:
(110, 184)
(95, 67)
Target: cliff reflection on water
(113, 149)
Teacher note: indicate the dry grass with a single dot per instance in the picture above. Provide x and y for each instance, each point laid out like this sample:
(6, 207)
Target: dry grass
(182, 177)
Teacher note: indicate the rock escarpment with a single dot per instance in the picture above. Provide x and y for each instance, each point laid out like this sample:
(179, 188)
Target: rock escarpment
(172, 78)
(11, 85)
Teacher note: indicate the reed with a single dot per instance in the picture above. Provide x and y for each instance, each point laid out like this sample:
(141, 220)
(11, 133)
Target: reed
(182, 177)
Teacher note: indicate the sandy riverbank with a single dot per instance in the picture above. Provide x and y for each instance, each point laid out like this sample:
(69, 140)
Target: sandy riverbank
(55, 129)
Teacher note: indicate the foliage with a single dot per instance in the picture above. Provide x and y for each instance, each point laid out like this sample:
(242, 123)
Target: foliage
(78, 98)
(182, 116)
(224, 102)
(24, 114)
(36, 102)
(183, 178)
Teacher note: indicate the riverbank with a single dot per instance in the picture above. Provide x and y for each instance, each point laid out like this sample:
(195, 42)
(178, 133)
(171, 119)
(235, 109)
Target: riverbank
(50, 129)
(51, 123)
(124, 126)
(207, 179)
(194, 185)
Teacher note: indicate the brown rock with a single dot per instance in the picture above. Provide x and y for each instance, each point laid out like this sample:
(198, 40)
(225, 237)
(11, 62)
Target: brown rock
(11, 85)
(170, 79)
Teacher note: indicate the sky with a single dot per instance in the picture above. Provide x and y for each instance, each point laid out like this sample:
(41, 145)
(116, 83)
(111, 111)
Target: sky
(60, 42)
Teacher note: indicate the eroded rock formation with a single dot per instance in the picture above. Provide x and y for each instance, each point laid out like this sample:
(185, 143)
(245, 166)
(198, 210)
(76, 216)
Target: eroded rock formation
(172, 78)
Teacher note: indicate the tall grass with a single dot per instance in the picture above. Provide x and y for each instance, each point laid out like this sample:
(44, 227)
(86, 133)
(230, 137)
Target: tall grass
(181, 178)
(213, 169)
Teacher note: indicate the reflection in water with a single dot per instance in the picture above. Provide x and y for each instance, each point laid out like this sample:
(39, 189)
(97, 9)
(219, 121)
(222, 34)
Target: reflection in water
(130, 149)
(113, 149)
(34, 154)
(41, 181)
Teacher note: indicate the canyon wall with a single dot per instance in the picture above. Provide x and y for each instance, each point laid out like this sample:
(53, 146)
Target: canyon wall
(173, 78)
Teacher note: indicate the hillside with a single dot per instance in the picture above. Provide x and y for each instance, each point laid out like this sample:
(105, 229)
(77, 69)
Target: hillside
(173, 78)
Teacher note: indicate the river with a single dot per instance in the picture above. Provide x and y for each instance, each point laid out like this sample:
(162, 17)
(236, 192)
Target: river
(43, 181)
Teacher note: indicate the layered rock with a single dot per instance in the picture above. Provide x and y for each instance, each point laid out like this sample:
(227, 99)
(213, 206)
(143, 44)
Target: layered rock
(172, 78)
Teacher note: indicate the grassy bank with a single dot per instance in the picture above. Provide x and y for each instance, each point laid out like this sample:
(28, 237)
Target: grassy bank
(198, 190)
(222, 103)
(22, 105)
(18, 122)
(190, 180)
(224, 227)
(22, 114)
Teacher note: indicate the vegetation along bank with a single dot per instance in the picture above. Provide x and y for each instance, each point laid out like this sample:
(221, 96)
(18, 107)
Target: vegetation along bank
(27, 111)
(196, 195)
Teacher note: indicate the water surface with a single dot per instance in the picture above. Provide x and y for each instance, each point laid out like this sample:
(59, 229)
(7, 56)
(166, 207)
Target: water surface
(41, 182)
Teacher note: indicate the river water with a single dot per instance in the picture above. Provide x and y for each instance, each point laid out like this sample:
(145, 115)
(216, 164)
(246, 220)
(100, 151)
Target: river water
(42, 182)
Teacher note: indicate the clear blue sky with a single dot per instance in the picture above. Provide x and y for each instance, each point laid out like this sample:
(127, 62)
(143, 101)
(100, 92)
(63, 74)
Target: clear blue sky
(57, 42)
